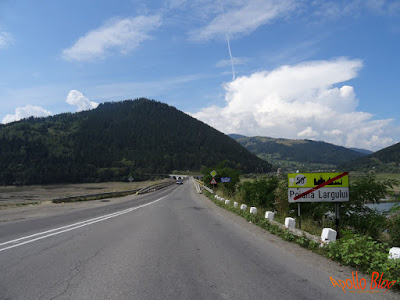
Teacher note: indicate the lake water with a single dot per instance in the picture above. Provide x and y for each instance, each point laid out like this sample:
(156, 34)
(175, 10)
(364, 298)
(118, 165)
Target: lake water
(383, 206)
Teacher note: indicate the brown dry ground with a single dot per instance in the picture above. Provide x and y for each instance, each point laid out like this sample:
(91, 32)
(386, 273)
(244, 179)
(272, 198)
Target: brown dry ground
(11, 196)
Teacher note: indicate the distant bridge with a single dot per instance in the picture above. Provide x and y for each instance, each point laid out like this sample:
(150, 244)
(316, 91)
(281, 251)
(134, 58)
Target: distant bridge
(176, 176)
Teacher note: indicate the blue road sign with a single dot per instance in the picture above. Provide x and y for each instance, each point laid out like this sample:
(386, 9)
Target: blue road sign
(225, 179)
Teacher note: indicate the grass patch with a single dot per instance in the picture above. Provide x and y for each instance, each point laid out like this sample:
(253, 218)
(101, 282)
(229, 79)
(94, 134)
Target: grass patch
(4, 206)
(382, 177)
(94, 197)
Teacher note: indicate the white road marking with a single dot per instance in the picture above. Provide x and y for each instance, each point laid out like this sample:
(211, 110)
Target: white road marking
(56, 231)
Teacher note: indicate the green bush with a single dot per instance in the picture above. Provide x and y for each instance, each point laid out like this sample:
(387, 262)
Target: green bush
(354, 214)
(260, 193)
(357, 251)
(223, 170)
(281, 198)
(393, 224)
(365, 254)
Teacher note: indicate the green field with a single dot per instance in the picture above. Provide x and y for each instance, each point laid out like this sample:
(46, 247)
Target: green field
(385, 176)
(381, 176)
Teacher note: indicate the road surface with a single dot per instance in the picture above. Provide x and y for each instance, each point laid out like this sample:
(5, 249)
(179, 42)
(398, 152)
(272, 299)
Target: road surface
(169, 244)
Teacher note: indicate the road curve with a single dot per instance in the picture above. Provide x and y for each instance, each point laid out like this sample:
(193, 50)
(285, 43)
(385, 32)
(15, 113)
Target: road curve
(168, 244)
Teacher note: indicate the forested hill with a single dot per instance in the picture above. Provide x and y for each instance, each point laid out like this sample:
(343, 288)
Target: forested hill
(385, 160)
(112, 142)
(298, 153)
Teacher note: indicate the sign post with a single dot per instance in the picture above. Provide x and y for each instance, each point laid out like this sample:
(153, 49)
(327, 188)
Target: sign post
(298, 213)
(337, 219)
(213, 173)
(319, 187)
(213, 182)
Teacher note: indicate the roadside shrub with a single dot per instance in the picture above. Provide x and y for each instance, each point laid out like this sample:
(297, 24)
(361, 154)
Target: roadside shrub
(305, 242)
(393, 224)
(358, 251)
(365, 254)
(223, 170)
(260, 193)
(366, 221)
(281, 198)
(354, 214)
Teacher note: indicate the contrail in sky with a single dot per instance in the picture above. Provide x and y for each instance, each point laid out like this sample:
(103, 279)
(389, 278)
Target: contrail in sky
(230, 55)
(229, 44)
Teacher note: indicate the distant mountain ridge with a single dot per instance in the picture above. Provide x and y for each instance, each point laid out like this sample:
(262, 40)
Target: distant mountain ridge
(112, 142)
(363, 151)
(237, 136)
(386, 160)
(298, 153)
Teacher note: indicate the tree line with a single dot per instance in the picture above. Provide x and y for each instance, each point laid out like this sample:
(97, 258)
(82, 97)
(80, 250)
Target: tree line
(112, 142)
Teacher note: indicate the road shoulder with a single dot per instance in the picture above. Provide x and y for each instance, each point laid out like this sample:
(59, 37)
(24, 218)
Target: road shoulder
(332, 268)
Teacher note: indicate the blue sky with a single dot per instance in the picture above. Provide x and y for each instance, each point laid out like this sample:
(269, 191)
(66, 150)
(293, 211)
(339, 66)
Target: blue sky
(321, 70)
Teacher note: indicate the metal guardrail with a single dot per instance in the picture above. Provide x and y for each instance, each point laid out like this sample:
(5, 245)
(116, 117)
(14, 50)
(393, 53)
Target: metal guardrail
(204, 187)
(155, 187)
(197, 186)
(139, 191)
(208, 189)
(109, 194)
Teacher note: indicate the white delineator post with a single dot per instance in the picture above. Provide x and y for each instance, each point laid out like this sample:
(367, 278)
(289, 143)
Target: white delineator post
(328, 235)
(394, 253)
(243, 207)
(269, 215)
(235, 204)
(227, 202)
(253, 210)
(290, 223)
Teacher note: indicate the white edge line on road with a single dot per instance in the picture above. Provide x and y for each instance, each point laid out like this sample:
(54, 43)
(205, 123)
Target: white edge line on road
(55, 229)
(72, 226)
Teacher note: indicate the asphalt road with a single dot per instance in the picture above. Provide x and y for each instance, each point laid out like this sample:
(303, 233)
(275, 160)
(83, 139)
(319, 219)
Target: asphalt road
(170, 244)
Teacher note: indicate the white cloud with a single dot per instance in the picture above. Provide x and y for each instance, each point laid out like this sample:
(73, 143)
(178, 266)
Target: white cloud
(334, 9)
(5, 39)
(383, 7)
(303, 101)
(26, 112)
(243, 17)
(76, 98)
(308, 133)
(121, 35)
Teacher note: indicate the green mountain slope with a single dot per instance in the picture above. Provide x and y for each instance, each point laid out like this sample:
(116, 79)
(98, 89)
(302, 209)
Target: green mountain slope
(112, 142)
(385, 160)
(363, 151)
(289, 153)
